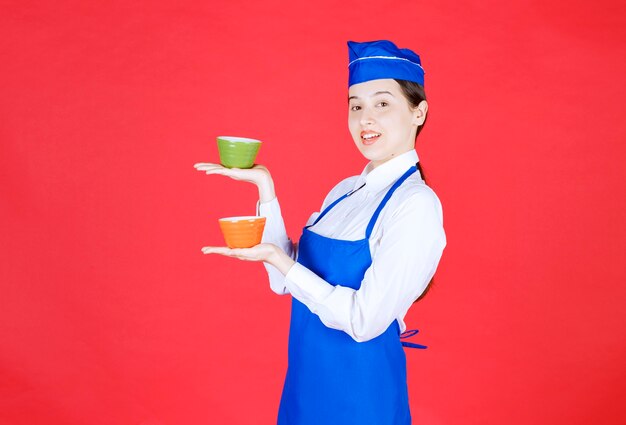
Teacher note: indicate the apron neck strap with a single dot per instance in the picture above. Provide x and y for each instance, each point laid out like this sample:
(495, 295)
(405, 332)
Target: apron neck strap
(382, 204)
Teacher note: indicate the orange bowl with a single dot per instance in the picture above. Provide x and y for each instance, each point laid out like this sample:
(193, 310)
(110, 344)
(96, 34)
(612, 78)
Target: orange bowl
(242, 232)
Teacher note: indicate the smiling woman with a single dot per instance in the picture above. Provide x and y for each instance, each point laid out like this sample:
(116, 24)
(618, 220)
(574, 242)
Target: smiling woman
(362, 260)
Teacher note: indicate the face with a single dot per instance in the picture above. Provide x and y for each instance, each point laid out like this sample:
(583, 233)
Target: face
(381, 120)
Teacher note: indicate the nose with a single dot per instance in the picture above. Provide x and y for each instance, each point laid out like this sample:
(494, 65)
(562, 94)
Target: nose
(367, 117)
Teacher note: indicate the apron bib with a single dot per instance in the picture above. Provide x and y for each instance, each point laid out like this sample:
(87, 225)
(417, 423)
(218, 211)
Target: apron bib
(332, 379)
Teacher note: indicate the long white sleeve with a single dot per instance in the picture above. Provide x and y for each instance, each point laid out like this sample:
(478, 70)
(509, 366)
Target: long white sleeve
(276, 234)
(410, 248)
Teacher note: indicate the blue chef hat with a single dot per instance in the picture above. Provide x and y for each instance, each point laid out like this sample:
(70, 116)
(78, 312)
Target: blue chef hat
(372, 60)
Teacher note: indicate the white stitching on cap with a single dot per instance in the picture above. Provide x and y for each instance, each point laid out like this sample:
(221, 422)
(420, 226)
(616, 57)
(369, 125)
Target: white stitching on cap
(385, 57)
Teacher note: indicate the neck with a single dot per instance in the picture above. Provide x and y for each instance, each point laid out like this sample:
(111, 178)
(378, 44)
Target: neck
(377, 163)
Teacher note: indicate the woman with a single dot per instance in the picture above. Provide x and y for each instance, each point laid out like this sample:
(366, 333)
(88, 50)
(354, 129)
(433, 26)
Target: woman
(362, 261)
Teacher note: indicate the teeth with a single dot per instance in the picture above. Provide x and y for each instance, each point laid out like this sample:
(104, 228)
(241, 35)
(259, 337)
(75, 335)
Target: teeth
(371, 135)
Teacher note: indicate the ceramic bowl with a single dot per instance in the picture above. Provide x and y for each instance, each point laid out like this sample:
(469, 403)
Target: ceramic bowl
(242, 232)
(237, 152)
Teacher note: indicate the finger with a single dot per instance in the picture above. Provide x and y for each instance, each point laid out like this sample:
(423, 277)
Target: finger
(209, 167)
(248, 254)
(216, 250)
(241, 252)
(204, 164)
(239, 257)
(216, 171)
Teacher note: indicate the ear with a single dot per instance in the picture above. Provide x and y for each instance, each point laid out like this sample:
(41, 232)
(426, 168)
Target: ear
(419, 113)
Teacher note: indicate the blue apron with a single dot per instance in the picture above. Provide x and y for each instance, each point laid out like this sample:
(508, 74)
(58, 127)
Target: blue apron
(332, 379)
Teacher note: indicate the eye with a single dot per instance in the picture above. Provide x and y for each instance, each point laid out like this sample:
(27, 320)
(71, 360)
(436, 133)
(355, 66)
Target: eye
(355, 108)
(383, 104)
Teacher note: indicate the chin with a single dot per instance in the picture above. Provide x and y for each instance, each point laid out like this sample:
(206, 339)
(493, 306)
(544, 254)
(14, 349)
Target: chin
(375, 158)
(370, 152)
(366, 153)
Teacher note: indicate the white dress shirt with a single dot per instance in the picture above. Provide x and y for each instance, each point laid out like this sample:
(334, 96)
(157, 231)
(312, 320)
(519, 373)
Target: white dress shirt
(406, 244)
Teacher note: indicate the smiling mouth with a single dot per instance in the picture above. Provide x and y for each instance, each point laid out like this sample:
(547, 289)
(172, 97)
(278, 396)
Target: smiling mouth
(370, 138)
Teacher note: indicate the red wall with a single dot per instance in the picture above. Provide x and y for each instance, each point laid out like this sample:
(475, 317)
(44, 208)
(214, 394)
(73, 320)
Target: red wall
(109, 312)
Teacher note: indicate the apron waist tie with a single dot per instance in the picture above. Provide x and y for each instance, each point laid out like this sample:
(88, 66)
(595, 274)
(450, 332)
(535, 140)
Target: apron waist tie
(409, 334)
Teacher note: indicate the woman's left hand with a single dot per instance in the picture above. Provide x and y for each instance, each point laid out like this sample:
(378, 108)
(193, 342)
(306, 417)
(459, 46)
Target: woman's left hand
(267, 252)
(260, 252)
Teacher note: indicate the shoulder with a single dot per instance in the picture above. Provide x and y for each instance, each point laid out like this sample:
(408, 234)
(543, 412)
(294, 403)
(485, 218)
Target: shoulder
(415, 216)
(415, 197)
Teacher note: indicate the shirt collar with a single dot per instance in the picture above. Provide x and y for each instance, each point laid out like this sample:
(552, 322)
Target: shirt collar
(385, 174)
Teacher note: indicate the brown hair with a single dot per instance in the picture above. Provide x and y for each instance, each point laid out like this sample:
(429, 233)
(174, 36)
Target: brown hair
(414, 93)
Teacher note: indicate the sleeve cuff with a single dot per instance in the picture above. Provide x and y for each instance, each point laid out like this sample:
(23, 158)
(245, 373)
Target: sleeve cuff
(306, 286)
(267, 209)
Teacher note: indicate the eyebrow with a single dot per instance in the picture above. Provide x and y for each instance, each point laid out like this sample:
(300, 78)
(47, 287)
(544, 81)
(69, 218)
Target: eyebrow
(375, 94)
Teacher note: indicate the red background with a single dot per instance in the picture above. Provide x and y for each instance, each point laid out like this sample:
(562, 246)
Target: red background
(109, 312)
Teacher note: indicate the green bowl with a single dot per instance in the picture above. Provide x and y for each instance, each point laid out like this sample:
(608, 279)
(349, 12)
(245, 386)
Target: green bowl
(237, 152)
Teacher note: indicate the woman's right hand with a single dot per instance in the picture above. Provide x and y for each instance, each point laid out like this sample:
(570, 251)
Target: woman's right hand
(258, 174)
